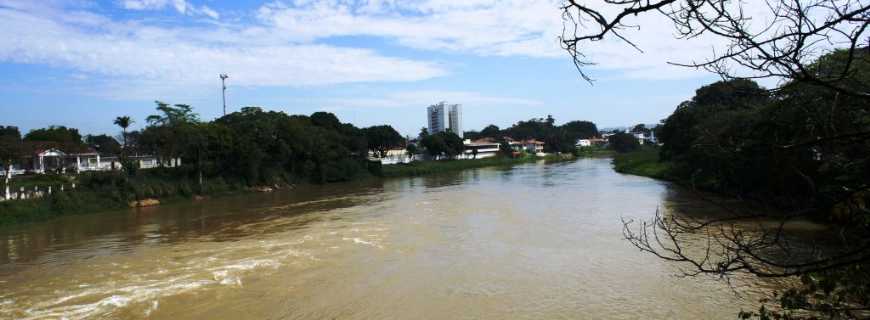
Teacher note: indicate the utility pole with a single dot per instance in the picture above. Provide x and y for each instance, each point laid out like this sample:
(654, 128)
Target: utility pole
(224, 77)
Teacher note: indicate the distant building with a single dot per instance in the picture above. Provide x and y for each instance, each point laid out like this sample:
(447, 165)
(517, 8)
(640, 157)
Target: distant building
(454, 116)
(640, 137)
(532, 146)
(435, 114)
(481, 148)
(441, 117)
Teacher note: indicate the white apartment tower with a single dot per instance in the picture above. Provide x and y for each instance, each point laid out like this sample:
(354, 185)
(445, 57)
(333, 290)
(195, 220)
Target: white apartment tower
(441, 116)
(435, 114)
(454, 119)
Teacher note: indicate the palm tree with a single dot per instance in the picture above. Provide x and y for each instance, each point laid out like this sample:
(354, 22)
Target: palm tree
(124, 122)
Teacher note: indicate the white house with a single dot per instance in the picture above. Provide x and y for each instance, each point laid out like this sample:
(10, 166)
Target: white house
(640, 137)
(479, 149)
(584, 143)
(533, 146)
(393, 156)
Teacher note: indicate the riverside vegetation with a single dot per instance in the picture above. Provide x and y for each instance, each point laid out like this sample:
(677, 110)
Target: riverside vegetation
(800, 152)
(246, 150)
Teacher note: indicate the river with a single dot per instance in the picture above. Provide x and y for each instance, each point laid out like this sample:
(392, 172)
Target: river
(536, 241)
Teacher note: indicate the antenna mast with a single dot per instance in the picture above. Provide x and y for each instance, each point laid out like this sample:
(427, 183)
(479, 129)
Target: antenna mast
(224, 77)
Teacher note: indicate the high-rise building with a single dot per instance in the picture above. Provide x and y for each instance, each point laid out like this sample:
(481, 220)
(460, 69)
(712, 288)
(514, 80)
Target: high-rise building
(436, 116)
(441, 116)
(454, 116)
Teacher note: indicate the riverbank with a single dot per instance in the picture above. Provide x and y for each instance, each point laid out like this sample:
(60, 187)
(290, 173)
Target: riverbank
(644, 162)
(100, 192)
(418, 168)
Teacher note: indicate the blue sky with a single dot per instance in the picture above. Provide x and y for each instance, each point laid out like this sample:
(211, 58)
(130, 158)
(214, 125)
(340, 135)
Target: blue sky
(81, 63)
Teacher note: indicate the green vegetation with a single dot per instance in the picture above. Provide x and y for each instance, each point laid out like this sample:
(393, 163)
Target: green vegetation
(622, 142)
(801, 152)
(418, 168)
(239, 151)
(104, 191)
(558, 138)
(594, 151)
(643, 162)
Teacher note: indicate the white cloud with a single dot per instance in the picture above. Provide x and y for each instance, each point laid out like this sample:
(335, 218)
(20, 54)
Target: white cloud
(528, 28)
(182, 6)
(418, 98)
(133, 53)
(282, 44)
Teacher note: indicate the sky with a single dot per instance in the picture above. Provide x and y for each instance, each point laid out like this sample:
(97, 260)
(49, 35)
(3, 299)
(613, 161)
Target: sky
(81, 63)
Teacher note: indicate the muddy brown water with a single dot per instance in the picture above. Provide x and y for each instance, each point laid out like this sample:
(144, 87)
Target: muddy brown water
(536, 241)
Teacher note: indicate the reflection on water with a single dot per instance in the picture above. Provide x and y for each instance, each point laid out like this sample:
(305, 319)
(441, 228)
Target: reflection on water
(533, 242)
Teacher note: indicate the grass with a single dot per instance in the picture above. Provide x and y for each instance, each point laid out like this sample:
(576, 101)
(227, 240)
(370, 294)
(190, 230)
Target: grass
(594, 151)
(644, 162)
(418, 168)
(104, 191)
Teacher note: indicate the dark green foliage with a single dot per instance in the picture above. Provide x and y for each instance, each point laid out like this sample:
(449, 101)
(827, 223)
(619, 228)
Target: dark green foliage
(643, 162)
(641, 128)
(442, 145)
(580, 130)
(103, 144)
(382, 138)
(172, 115)
(556, 138)
(805, 150)
(66, 139)
(272, 147)
(490, 131)
(411, 149)
(10, 146)
(325, 120)
(623, 142)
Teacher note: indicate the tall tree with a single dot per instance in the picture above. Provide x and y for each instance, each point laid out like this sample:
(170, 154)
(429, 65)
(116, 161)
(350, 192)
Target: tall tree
(172, 115)
(382, 138)
(10, 151)
(124, 122)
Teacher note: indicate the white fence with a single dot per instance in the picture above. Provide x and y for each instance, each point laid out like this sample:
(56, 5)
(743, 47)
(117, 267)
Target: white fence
(34, 193)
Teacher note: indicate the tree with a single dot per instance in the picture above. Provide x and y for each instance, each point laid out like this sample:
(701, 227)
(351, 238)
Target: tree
(799, 152)
(325, 119)
(623, 142)
(172, 115)
(382, 138)
(680, 130)
(103, 144)
(490, 131)
(443, 144)
(66, 139)
(411, 149)
(11, 150)
(641, 128)
(124, 122)
(781, 44)
(580, 129)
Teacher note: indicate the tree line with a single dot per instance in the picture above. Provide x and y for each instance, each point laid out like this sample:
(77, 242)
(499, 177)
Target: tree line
(801, 151)
(252, 145)
(557, 138)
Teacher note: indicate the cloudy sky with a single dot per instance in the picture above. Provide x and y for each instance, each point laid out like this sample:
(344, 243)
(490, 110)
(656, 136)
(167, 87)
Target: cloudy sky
(81, 63)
